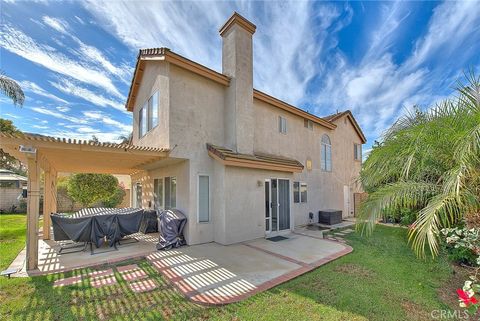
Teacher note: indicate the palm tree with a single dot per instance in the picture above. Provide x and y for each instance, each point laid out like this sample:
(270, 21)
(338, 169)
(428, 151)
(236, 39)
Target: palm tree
(11, 89)
(429, 162)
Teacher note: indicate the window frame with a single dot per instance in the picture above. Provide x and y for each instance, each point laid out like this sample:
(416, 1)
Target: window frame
(296, 192)
(308, 124)
(162, 197)
(209, 220)
(298, 199)
(326, 147)
(146, 112)
(282, 120)
(357, 152)
(303, 184)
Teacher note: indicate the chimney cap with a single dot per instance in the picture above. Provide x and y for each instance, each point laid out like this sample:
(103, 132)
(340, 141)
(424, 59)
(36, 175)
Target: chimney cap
(236, 18)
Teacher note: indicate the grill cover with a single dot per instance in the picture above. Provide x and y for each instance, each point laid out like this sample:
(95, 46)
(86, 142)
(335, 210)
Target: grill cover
(170, 225)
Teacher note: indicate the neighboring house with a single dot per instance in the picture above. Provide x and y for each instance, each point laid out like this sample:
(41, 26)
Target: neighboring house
(11, 189)
(242, 164)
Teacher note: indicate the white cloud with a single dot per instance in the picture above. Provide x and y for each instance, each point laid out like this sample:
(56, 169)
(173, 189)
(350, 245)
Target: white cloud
(99, 116)
(58, 115)
(73, 89)
(58, 24)
(19, 43)
(63, 109)
(36, 89)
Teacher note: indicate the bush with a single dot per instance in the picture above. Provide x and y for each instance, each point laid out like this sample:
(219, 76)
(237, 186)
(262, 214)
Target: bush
(403, 216)
(88, 189)
(454, 245)
(116, 198)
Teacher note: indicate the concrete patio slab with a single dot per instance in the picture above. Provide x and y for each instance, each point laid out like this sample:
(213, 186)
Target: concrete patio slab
(134, 275)
(216, 274)
(50, 261)
(304, 250)
(99, 282)
(143, 286)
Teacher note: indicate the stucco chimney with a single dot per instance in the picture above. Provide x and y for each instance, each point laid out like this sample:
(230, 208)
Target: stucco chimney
(237, 63)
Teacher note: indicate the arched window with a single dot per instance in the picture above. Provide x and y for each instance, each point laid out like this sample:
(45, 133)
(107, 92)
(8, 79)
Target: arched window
(326, 154)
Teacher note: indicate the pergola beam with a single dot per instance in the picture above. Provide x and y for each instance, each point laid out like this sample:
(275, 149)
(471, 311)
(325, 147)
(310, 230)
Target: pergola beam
(33, 206)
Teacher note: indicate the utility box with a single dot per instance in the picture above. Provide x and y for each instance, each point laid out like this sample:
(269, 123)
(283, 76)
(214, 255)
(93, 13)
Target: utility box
(330, 217)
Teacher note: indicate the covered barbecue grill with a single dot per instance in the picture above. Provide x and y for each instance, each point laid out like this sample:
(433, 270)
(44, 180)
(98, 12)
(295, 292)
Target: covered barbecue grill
(170, 225)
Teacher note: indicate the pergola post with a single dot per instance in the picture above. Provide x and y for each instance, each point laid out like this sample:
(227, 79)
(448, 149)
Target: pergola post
(49, 200)
(33, 206)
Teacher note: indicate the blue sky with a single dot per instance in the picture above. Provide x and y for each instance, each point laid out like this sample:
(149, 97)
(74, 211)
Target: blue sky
(75, 59)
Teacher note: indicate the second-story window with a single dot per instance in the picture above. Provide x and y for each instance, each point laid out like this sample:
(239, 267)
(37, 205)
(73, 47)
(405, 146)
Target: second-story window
(326, 154)
(357, 152)
(282, 124)
(307, 123)
(148, 115)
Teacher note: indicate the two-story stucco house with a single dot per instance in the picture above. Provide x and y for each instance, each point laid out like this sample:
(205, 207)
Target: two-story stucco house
(242, 164)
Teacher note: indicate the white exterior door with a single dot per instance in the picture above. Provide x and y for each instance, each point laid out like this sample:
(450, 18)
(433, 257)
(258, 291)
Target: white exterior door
(277, 206)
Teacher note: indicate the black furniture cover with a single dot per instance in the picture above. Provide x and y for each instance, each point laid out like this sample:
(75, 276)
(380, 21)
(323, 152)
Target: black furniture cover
(170, 225)
(330, 217)
(149, 222)
(94, 224)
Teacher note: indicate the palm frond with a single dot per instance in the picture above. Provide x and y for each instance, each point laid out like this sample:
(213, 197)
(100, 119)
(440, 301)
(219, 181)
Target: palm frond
(12, 90)
(405, 194)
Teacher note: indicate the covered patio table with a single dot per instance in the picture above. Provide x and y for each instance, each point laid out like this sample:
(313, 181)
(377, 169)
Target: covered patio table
(95, 225)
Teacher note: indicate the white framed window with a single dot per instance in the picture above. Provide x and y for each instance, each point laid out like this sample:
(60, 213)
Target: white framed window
(299, 192)
(165, 192)
(170, 195)
(203, 199)
(303, 192)
(138, 195)
(158, 193)
(148, 115)
(357, 152)
(142, 121)
(326, 154)
(282, 124)
(307, 123)
(296, 192)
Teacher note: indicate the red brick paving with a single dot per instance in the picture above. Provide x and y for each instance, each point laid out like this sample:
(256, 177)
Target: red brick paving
(143, 285)
(126, 268)
(134, 275)
(108, 272)
(103, 281)
(68, 281)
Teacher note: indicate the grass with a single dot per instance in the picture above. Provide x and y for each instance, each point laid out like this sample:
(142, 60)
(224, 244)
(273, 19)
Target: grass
(12, 237)
(380, 280)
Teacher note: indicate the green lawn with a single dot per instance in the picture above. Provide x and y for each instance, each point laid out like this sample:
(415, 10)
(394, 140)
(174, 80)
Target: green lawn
(12, 237)
(380, 280)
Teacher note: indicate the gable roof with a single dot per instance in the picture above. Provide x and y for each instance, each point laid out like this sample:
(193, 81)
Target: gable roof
(257, 160)
(165, 54)
(348, 113)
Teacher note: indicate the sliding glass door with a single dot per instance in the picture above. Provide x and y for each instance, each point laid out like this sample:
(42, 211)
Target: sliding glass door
(277, 205)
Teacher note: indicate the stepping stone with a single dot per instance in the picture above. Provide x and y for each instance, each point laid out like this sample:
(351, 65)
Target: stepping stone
(68, 281)
(103, 281)
(126, 268)
(96, 274)
(143, 286)
(134, 275)
(348, 230)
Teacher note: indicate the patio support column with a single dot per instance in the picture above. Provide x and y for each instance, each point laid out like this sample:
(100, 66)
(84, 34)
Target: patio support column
(49, 200)
(33, 206)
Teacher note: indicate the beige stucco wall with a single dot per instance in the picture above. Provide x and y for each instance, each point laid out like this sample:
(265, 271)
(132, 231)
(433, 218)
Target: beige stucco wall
(155, 78)
(192, 113)
(325, 189)
(245, 203)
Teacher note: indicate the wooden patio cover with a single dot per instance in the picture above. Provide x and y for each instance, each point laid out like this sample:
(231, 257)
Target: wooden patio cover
(54, 155)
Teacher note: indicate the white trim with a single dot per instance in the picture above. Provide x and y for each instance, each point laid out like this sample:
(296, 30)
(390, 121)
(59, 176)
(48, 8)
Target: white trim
(290, 212)
(209, 199)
